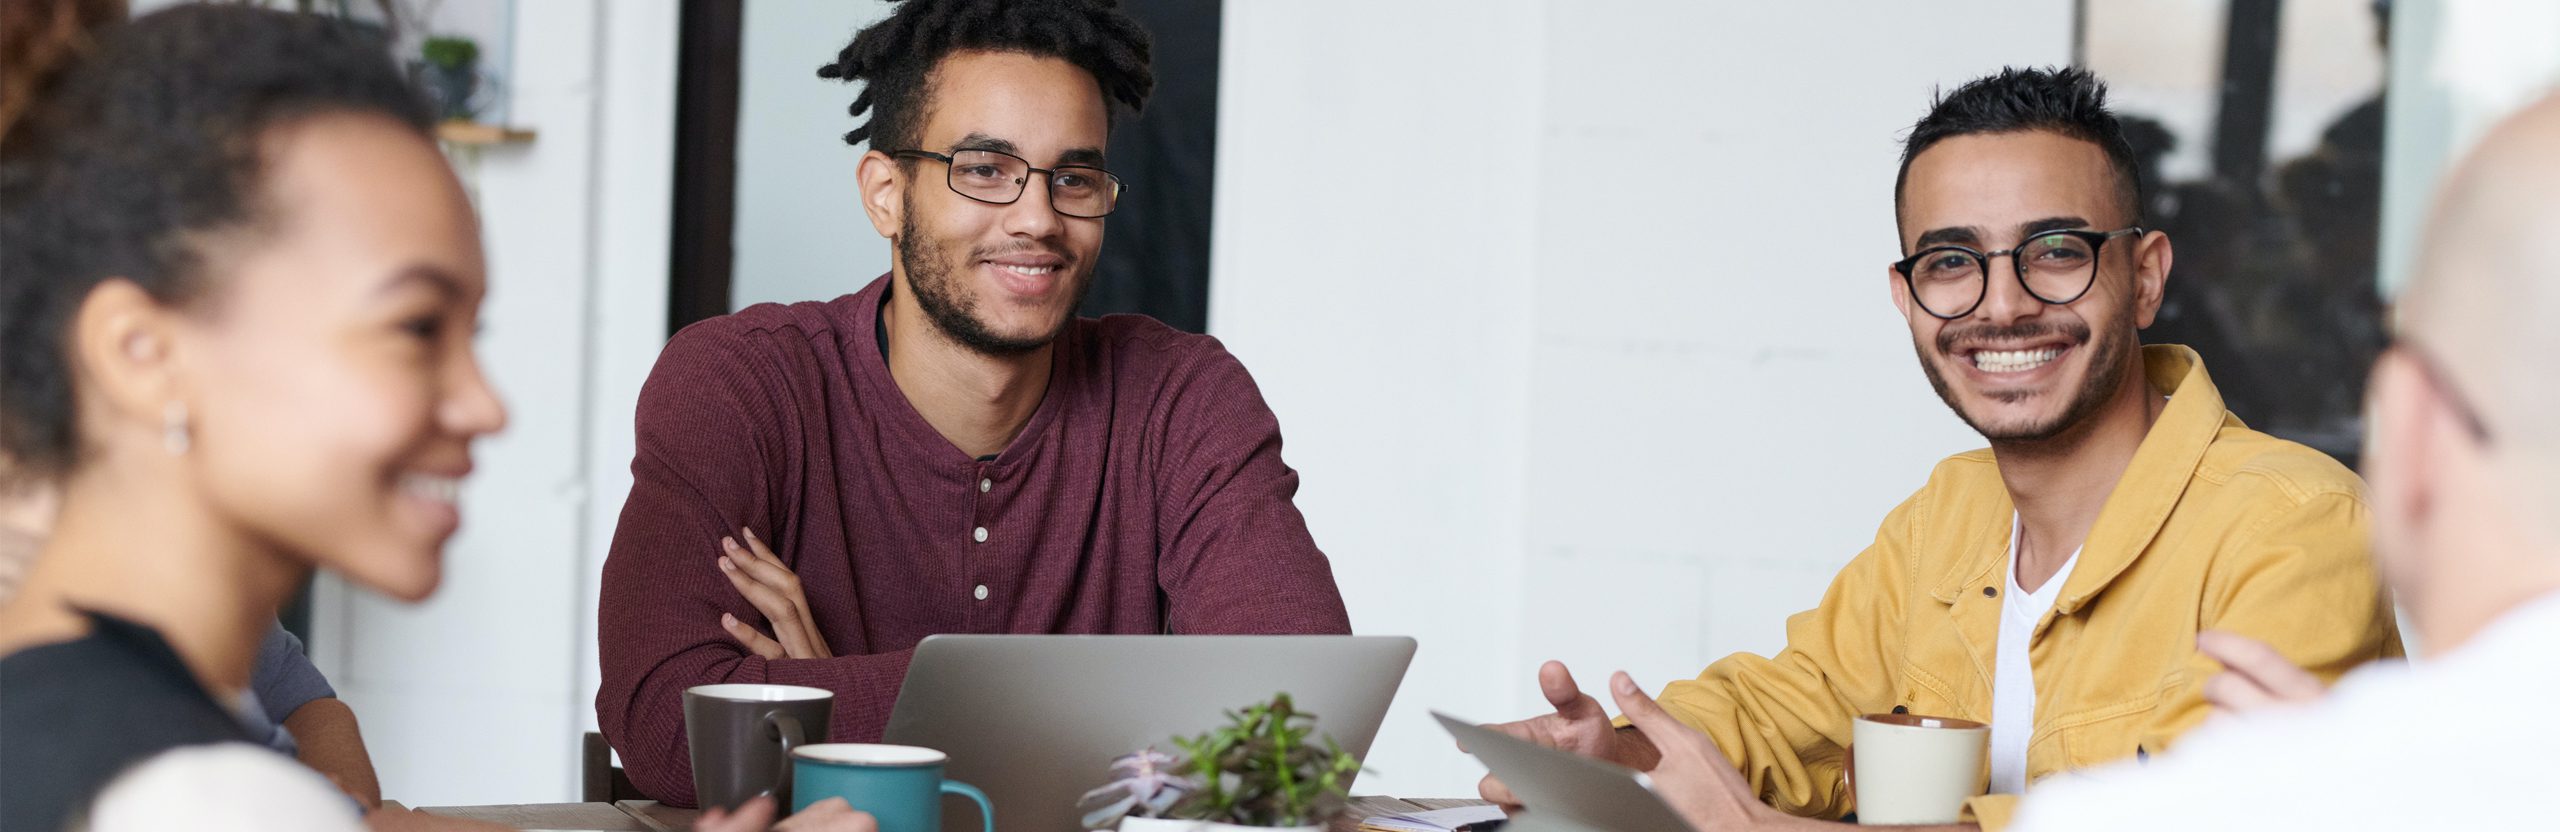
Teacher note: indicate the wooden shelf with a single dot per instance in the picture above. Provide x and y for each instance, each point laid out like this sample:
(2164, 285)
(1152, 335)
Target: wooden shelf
(475, 133)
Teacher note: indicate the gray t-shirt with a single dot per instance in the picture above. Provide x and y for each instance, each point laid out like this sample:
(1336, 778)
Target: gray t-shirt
(282, 683)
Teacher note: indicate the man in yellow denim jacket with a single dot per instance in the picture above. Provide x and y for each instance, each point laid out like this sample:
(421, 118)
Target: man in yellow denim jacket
(2118, 495)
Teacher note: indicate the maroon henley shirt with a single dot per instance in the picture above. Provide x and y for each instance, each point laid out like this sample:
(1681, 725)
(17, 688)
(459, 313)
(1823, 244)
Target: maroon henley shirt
(1145, 495)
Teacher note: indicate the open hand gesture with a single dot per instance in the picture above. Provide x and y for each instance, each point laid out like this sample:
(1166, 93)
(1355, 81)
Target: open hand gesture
(1578, 725)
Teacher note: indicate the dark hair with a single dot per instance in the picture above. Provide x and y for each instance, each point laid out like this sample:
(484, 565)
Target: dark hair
(145, 148)
(895, 58)
(2070, 102)
(37, 39)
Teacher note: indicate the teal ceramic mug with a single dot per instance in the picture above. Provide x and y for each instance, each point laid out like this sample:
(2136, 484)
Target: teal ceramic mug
(900, 785)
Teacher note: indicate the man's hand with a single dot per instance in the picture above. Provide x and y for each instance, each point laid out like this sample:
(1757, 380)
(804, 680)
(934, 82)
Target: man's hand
(1691, 774)
(829, 815)
(2254, 675)
(1579, 725)
(774, 591)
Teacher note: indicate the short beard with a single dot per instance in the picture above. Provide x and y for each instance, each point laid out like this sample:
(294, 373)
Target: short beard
(951, 310)
(2109, 360)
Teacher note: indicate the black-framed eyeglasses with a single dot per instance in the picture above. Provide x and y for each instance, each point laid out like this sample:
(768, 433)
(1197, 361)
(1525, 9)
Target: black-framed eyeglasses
(999, 178)
(2443, 383)
(2056, 267)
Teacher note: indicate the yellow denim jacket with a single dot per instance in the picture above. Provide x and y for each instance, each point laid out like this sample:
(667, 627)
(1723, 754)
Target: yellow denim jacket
(2214, 526)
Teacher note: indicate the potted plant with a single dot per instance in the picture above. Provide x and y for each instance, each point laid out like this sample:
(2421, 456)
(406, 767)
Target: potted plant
(1263, 770)
(452, 68)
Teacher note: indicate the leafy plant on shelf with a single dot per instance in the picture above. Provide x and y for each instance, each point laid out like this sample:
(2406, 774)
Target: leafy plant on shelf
(449, 52)
(1265, 768)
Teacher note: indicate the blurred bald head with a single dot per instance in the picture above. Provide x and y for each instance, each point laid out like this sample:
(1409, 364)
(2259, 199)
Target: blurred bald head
(2485, 304)
(2462, 441)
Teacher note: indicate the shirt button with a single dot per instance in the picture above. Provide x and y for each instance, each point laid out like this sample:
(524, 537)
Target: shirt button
(980, 534)
(985, 484)
(1987, 592)
(982, 592)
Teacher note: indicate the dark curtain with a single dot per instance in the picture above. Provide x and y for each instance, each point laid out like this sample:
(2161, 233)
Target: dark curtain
(1155, 251)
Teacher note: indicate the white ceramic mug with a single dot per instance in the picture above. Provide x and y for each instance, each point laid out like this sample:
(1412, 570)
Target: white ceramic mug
(1908, 768)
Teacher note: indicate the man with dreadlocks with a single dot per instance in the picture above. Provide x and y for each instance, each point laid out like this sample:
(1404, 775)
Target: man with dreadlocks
(949, 449)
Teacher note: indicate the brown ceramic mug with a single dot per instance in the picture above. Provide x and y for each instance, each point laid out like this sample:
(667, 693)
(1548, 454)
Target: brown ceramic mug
(741, 738)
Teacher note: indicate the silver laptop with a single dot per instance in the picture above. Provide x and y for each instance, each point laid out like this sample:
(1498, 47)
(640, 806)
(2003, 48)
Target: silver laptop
(1564, 790)
(1037, 720)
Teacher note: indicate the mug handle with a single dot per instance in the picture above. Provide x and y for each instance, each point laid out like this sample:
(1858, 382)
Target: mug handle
(986, 810)
(788, 729)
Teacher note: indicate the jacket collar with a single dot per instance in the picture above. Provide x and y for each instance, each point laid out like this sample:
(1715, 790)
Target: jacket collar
(2142, 499)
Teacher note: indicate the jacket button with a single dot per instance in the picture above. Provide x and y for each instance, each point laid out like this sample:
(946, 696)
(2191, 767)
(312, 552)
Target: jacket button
(1901, 710)
(1990, 592)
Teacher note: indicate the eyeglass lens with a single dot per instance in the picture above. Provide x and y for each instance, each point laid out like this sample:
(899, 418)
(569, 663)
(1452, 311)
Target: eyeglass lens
(990, 176)
(2056, 267)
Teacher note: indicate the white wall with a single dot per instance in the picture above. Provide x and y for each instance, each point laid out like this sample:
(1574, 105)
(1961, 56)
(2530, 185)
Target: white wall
(1388, 329)
(801, 234)
(479, 694)
(1574, 315)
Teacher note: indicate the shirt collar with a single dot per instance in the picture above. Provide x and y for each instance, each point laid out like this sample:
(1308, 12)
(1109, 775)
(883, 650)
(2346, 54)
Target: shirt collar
(2143, 497)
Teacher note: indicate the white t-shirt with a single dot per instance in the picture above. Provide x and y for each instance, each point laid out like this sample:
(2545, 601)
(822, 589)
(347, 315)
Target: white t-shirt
(2013, 679)
(2461, 741)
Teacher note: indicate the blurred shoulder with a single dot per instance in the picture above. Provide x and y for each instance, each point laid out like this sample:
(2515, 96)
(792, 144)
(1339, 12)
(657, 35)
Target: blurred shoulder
(227, 786)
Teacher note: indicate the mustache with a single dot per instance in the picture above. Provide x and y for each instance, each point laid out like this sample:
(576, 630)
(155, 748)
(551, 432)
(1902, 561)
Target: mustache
(1066, 260)
(1952, 338)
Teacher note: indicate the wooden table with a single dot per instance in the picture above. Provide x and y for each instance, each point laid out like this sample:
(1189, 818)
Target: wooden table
(625, 816)
(606, 816)
(652, 816)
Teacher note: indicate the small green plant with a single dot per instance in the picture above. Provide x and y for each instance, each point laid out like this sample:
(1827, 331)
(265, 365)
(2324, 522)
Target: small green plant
(1263, 768)
(450, 52)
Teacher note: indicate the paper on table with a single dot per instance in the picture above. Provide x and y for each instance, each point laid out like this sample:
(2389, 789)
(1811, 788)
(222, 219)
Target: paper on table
(1437, 820)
